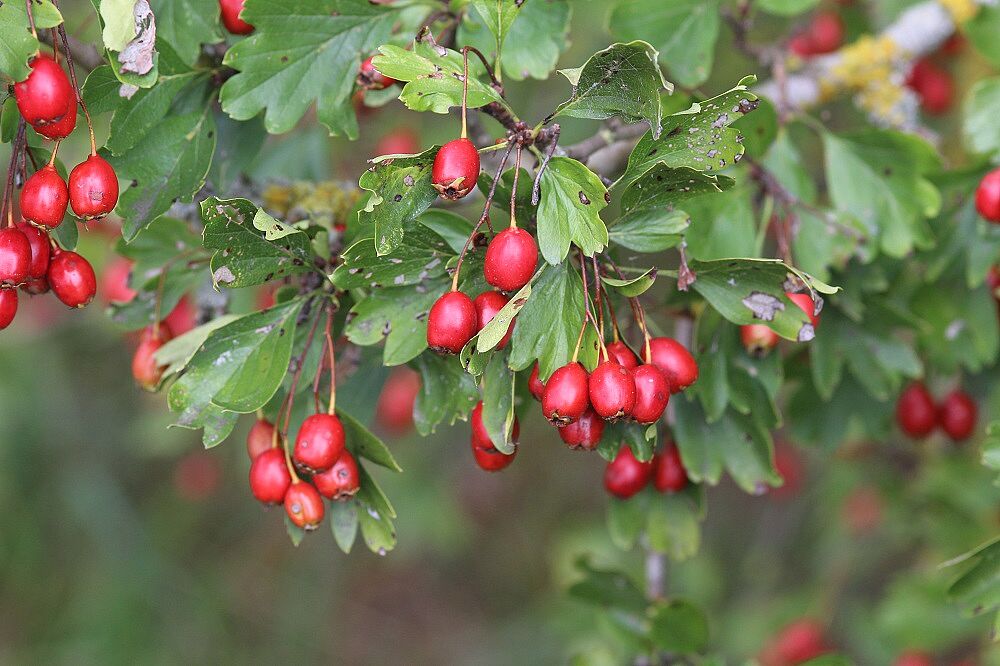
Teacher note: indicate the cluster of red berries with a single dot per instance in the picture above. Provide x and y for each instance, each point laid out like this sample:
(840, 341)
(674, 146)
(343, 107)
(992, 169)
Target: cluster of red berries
(918, 415)
(988, 196)
(327, 468)
(758, 339)
(824, 34)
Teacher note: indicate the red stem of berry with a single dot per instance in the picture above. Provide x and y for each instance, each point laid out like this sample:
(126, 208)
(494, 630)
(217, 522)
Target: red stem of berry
(588, 313)
(72, 77)
(513, 191)
(7, 209)
(331, 409)
(31, 18)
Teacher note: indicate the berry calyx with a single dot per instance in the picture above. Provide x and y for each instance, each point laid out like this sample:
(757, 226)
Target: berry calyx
(40, 250)
(372, 79)
(304, 506)
(806, 304)
(93, 188)
(451, 323)
(63, 127)
(611, 388)
(626, 475)
(394, 410)
(758, 339)
(44, 97)
(260, 438)
(957, 415)
(797, 643)
(535, 385)
(988, 196)
(916, 413)
(674, 360)
(15, 256)
(145, 370)
(269, 477)
(72, 279)
(44, 198)
(652, 393)
(585, 433)
(8, 307)
(669, 475)
(340, 482)
(230, 10)
(488, 304)
(511, 259)
(566, 395)
(456, 169)
(319, 443)
(620, 352)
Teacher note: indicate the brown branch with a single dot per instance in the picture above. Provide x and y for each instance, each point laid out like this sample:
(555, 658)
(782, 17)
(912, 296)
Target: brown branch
(85, 55)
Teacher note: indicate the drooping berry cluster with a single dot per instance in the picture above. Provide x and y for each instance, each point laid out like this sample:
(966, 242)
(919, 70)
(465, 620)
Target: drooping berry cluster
(918, 415)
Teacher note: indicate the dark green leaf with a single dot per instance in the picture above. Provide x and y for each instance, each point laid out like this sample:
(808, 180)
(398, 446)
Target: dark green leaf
(634, 286)
(363, 444)
(678, 627)
(610, 589)
(498, 403)
(572, 199)
(421, 256)
(17, 44)
(186, 25)
(101, 91)
(344, 523)
(447, 392)
(400, 191)
(650, 231)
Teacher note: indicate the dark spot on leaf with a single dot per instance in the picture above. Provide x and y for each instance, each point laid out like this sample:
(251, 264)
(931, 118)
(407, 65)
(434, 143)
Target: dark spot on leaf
(674, 132)
(746, 105)
(268, 277)
(583, 199)
(607, 197)
(398, 197)
(887, 171)
(281, 332)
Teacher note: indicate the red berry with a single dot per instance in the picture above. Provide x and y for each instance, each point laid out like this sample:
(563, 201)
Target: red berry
(44, 97)
(511, 259)
(676, 362)
(63, 127)
(93, 188)
(35, 286)
(400, 141)
(758, 339)
(825, 33)
(15, 256)
(456, 169)
(372, 79)
(480, 437)
(915, 411)
(304, 506)
(788, 463)
(145, 370)
(488, 304)
(797, 643)
(669, 475)
(40, 249)
(451, 323)
(394, 410)
(806, 304)
(801, 46)
(114, 281)
(626, 475)
(933, 86)
(620, 352)
(182, 318)
(319, 443)
(260, 438)
(585, 433)
(862, 510)
(196, 476)
(652, 393)
(8, 307)
(913, 658)
(230, 10)
(72, 279)
(611, 388)
(536, 385)
(957, 415)
(341, 481)
(988, 196)
(269, 476)
(993, 280)
(566, 395)
(492, 460)
(44, 198)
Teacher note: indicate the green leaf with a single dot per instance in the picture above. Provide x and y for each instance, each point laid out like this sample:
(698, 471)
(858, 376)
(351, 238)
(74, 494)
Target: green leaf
(650, 231)
(786, 7)
(363, 444)
(572, 198)
(627, 519)
(295, 533)
(186, 25)
(237, 147)
(982, 31)
(607, 588)
(979, 126)
(678, 626)
(623, 80)
(499, 16)
(422, 255)
(452, 227)
(119, 23)
(635, 286)
(302, 51)
(344, 523)
(494, 331)
(683, 30)
(177, 353)
(447, 392)
(672, 527)
(498, 403)
(544, 25)
(101, 91)
(17, 45)
(977, 589)
(759, 129)
(654, 194)
(375, 515)
(400, 191)
(134, 118)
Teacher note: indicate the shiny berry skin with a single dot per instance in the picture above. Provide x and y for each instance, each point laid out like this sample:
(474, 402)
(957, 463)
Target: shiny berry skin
(72, 279)
(488, 304)
(957, 415)
(456, 169)
(182, 318)
(304, 506)
(626, 475)
(44, 198)
(400, 141)
(535, 385)
(806, 304)
(93, 188)
(652, 393)
(758, 339)
(372, 79)
(40, 249)
(511, 259)
(585, 433)
(676, 362)
(566, 395)
(916, 413)
(988, 196)
(341, 481)
(260, 438)
(394, 410)
(269, 477)
(114, 281)
(491, 460)
(611, 388)
(451, 323)
(669, 475)
(797, 643)
(15, 256)
(230, 10)
(480, 436)
(913, 658)
(146, 372)
(63, 127)
(620, 352)
(8, 307)
(319, 443)
(44, 97)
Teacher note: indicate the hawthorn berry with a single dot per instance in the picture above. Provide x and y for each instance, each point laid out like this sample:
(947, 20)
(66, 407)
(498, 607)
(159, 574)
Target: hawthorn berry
(35, 286)
(933, 86)
(957, 415)
(480, 436)
(456, 169)
(491, 459)
(40, 250)
(182, 318)
(626, 475)
(44, 97)
(451, 323)
(585, 433)
(63, 127)
(916, 413)
(15, 256)
(758, 339)
(372, 79)
(669, 475)
(676, 362)
(72, 279)
(230, 10)
(988, 196)
(145, 370)
(797, 643)
(400, 141)
(824, 34)
(790, 467)
(535, 385)
(620, 352)
(566, 394)
(806, 304)
(114, 281)
(260, 438)
(269, 476)
(611, 388)
(319, 443)
(511, 259)
(44, 198)
(196, 476)
(341, 481)
(488, 304)
(304, 506)
(93, 188)
(913, 658)
(8, 307)
(394, 409)
(652, 393)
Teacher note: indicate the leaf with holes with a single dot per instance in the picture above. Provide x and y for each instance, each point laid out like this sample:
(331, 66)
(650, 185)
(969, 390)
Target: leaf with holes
(423, 255)
(572, 199)
(401, 190)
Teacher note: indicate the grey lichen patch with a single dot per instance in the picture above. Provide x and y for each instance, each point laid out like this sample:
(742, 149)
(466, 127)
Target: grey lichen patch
(806, 333)
(763, 306)
(223, 275)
